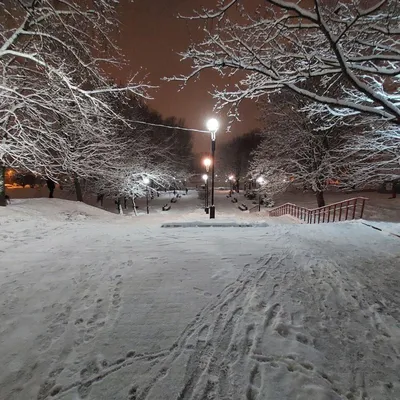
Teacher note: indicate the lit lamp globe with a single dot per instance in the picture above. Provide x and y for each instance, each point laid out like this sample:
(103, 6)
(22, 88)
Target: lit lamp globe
(207, 163)
(212, 126)
(205, 177)
(260, 180)
(146, 181)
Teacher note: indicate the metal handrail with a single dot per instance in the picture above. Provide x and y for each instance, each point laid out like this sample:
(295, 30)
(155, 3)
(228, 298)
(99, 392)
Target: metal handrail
(330, 213)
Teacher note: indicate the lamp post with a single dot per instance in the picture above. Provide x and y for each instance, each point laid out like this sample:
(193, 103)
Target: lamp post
(212, 126)
(231, 178)
(207, 163)
(146, 181)
(205, 178)
(260, 181)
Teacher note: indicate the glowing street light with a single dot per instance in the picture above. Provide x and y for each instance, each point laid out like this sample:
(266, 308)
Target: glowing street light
(205, 179)
(207, 163)
(231, 178)
(212, 126)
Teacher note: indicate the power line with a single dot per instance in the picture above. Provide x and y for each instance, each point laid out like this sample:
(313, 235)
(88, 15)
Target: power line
(170, 127)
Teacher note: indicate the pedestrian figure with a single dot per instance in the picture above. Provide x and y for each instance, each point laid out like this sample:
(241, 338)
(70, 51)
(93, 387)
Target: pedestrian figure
(187, 190)
(174, 191)
(51, 186)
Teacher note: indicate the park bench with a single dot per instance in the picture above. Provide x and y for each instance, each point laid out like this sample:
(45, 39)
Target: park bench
(243, 207)
(166, 207)
(174, 200)
(234, 200)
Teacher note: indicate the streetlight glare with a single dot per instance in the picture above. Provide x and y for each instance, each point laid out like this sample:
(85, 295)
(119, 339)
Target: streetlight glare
(231, 177)
(146, 181)
(205, 177)
(260, 180)
(212, 125)
(207, 162)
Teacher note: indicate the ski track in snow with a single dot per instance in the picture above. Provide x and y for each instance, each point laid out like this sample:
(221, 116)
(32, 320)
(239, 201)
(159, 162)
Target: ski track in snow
(315, 317)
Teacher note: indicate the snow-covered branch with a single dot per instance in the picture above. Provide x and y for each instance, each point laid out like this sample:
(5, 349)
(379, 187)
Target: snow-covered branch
(290, 43)
(57, 106)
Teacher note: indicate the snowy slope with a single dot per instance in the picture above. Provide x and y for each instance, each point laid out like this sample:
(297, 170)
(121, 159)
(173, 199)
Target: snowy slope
(94, 306)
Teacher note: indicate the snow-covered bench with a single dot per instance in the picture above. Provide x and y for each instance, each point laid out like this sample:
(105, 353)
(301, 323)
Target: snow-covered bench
(174, 200)
(234, 200)
(243, 207)
(166, 207)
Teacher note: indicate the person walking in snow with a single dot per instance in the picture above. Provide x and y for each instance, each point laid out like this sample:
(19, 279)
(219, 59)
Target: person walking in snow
(51, 186)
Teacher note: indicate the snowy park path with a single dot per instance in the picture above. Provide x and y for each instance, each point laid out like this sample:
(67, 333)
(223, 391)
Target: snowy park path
(97, 308)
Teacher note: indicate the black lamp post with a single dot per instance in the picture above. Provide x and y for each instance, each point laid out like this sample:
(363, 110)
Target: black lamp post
(212, 126)
(205, 178)
(231, 178)
(207, 163)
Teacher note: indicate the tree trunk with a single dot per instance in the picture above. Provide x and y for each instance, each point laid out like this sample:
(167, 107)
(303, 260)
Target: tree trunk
(119, 206)
(134, 206)
(394, 191)
(237, 185)
(3, 201)
(320, 199)
(78, 189)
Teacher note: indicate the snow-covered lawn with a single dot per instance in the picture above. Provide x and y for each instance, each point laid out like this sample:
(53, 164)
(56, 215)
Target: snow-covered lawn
(379, 207)
(101, 307)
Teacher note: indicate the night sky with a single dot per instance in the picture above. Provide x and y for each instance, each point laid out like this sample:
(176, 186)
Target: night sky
(151, 36)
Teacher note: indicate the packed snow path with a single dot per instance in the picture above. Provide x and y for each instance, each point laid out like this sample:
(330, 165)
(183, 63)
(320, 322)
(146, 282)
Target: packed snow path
(94, 307)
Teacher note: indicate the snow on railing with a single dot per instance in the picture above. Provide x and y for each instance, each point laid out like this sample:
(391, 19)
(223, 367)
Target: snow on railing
(341, 211)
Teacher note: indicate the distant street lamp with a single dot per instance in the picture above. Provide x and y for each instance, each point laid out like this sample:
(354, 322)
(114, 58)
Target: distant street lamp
(212, 126)
(207, 163)
(231, 178)
(146, 181)
(260, 181)
(205, 178)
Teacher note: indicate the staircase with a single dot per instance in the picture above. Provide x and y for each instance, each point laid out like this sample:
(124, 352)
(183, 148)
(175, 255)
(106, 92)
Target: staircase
(341, 211)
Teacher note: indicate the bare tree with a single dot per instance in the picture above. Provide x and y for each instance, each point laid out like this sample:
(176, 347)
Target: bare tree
(53, 89)
(297, 151)
(148, 149)
(282, 43)
(374, 156)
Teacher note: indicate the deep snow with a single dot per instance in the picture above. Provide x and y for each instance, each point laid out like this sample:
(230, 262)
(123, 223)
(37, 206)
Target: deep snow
(96, 306)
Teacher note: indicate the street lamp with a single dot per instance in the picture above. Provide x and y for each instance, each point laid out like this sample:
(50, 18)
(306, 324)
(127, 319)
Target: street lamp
(207, 163)
(212, 126)
(205, 178)
(146, 181)
(260, 181)
(231, 178)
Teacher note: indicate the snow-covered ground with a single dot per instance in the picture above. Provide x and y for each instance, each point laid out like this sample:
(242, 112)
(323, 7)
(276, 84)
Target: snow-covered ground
(97, 306)
(379, 207)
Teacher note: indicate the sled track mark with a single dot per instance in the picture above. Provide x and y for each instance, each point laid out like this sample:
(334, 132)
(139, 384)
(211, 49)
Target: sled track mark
(270, 314)
(94, 372)
(212, 351)
(254, 385)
